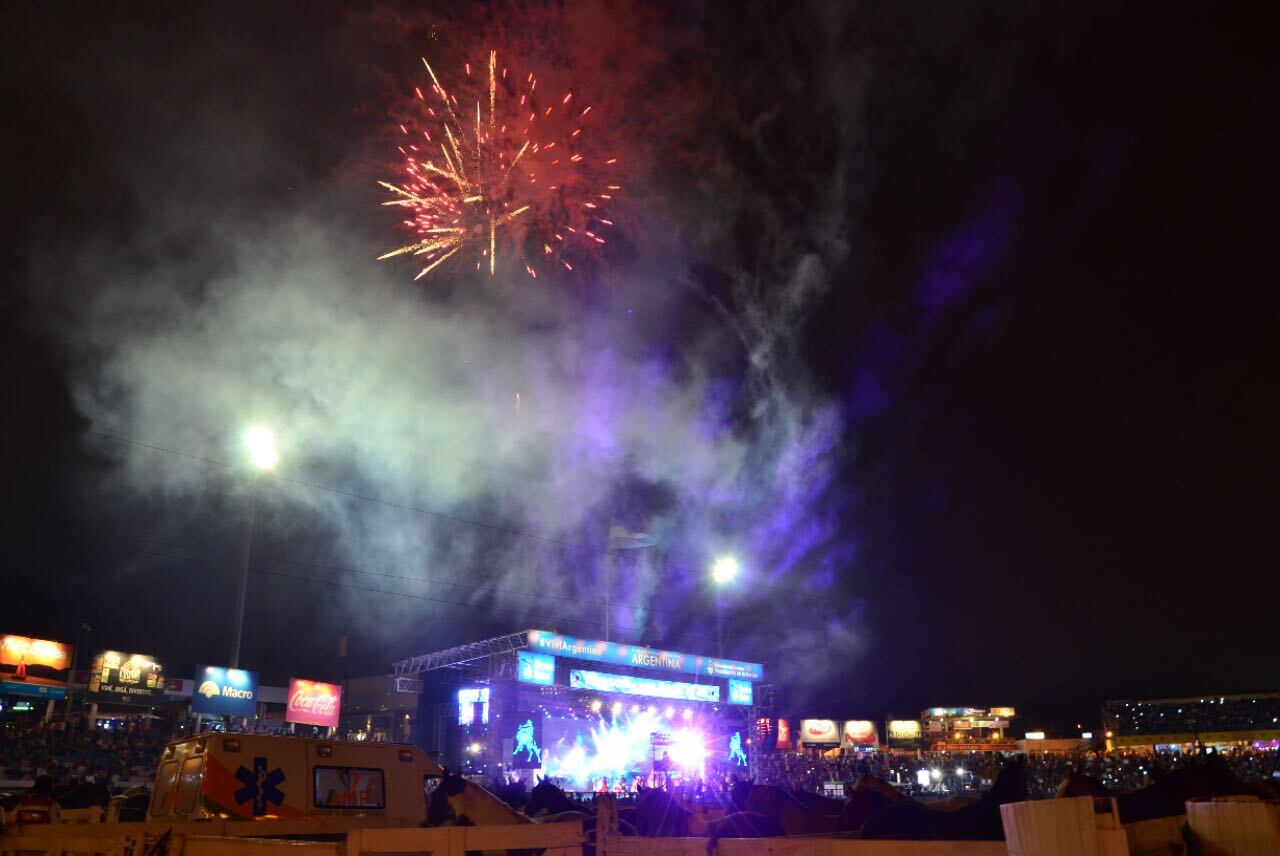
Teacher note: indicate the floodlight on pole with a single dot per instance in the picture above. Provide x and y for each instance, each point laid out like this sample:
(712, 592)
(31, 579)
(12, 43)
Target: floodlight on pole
(261, 444)
(724, 570)
(264, 455)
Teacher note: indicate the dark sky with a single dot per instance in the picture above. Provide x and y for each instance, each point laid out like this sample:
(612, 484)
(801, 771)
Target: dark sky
(1015, 441)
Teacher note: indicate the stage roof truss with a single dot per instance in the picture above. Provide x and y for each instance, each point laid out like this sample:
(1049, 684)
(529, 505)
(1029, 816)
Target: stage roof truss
(460, 654)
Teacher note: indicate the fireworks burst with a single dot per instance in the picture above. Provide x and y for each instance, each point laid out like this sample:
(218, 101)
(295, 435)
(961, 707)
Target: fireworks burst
(520, 177)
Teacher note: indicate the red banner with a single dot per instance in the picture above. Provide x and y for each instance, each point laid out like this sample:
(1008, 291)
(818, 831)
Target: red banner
(313, 703)
(784, 734)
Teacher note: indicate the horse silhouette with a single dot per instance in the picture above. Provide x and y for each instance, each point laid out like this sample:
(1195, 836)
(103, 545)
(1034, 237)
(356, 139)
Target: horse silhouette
(793, 816)
(547, 798)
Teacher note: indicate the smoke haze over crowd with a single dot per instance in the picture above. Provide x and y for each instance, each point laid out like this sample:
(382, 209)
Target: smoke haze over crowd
(901, 311)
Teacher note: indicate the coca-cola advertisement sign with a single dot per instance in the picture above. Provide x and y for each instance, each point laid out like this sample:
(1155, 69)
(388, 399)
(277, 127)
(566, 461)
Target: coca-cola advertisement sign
(313, 703)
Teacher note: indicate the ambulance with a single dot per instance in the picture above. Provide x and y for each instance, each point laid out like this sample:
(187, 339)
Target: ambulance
(264, 777)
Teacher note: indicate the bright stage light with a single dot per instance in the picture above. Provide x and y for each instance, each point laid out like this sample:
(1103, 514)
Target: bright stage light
(261, 444)
(725, 570)
(595, 706)
(688, 714)
(671, 711)
(688, 750)
(617, 708)
(635, 708)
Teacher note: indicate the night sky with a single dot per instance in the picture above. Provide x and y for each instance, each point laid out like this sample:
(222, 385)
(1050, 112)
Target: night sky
(956, 322)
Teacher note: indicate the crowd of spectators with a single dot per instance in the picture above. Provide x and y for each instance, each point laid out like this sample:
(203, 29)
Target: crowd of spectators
(128, 752)
(942, 774)
(1196, 715)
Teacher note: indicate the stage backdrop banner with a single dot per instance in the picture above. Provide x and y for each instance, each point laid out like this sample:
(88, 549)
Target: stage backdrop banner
(225, 692)
(819, 732)
(601, 682)
(34, 667)
(313, 703)
(618, 654)
(122, 678)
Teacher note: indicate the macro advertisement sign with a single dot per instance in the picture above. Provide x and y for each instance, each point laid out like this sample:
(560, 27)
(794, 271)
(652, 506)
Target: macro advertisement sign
(225, 692)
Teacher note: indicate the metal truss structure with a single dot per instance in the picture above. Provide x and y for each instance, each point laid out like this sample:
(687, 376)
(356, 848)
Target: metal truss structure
(451, 658)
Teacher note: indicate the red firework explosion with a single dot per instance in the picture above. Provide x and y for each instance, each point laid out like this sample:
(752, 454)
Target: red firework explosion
(498, 166)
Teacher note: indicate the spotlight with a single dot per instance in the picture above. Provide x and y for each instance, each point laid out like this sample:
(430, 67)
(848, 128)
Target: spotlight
(725, 570)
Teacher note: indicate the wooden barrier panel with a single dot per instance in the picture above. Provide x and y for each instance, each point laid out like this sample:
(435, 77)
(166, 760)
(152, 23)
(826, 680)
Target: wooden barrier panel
(1235, 826)
(457, 840)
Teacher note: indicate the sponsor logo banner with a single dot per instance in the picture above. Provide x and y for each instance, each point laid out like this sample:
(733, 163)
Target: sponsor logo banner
(619, 654)
(581, 679)
(225, 692)
(313, 703)
(126, 679)
(535, 668)
(904, 731)
(784, 734)
(819, 732)
(859, 732)
(740, 692)
(34, 667)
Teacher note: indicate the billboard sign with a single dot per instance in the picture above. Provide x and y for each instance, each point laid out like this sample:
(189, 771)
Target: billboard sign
(581, 679)
(859, 732)
(126, 679)
(225, 692)
(1003, 712)
(740, 692)
(904, 731)
(313, 703)
(819, 732)
(620, 654)
(34, 667)
(535, 668)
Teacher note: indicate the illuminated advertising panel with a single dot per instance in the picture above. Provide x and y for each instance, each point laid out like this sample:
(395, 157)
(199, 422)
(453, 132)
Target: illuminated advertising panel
(34, 667)
(740, 692)
(1003, 712)
(313, 703)
(126, 679)
(581, 679)
(225, 692)
(859, 732)
(905, 732)
(736, 756)
(620, 654)
(535, 668)
(819, 732)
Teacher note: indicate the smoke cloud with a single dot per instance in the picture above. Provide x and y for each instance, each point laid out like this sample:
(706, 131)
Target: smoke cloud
(454, 452)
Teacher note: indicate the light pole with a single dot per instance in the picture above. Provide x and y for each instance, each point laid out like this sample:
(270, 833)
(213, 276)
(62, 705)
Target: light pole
(260, 443)
(724, 571)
